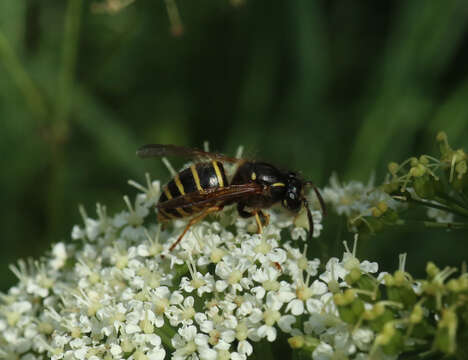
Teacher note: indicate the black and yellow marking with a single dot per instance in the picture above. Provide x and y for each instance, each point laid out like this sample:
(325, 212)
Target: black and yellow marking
(279, 184)
(167, 193)
(218, 173)
(197, 178)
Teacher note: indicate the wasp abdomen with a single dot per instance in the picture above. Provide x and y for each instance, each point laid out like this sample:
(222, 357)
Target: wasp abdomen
(196, 178)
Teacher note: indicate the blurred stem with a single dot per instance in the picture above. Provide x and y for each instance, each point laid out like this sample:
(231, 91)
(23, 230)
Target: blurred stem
(463, 213)
(66, 76)
(452, 203)
(432, 224)
(174, 18)
(453, 225)
(21, 78)
(451, 199)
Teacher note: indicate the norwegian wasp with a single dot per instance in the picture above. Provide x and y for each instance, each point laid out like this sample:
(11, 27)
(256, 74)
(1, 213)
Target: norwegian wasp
(204, 188)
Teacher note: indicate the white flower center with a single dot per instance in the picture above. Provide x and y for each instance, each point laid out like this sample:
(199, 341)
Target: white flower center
(12, 318)
(117, 316)
(216, 255)
(271, 316)
(45, 282)
(351, 263)
(271, 285)
(134, 219)
(214, 337)
(146, 326)
(138, 355)
(263, 248)
(241, 331)
(302, 263)
(188, 313)
(93, 307)
(126, 346)
(304, 292)
(190, 348)
(235, 277)
(161, 305)
(93, 277)
(121, 261)
(223, 355)
(197, 282)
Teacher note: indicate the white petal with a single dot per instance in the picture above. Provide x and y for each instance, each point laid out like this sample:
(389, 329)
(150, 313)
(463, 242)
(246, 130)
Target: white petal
(296, 307)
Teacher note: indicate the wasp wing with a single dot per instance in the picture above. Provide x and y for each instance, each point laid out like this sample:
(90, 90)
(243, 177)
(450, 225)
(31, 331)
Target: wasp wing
(211, 197)
(160, 150)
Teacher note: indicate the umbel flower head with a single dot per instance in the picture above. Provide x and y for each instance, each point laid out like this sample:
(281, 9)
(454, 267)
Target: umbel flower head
(117, 292)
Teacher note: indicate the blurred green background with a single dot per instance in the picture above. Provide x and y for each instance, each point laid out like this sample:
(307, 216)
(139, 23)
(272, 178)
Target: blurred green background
(319, 86)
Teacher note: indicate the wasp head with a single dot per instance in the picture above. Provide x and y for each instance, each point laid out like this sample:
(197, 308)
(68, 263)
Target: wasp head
(293, 197)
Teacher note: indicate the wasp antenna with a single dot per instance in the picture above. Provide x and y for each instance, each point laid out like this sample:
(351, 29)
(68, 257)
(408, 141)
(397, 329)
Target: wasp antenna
(311, 221)
(319, 197)
(150, 150)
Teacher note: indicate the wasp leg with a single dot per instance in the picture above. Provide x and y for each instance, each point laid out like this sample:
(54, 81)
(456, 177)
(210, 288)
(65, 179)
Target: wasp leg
(265, 216)
(259, 223)
(257, 214)
(193, 222)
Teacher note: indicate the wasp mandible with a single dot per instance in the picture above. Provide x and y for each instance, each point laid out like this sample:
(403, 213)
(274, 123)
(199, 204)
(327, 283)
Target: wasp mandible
(204, 188)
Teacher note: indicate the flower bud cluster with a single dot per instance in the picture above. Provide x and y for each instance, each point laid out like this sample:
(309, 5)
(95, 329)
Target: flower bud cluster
(407, 315)
(439, 183)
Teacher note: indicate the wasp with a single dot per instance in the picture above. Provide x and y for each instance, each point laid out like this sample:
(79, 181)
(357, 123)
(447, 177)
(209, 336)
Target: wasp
(204, 188)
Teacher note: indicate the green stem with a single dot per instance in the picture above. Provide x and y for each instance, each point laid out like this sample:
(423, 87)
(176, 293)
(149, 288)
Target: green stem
(459, 205)
(21, 78)
(431, 224)
(452, 225)
(437, 206)
(464, 197)
(166, 333)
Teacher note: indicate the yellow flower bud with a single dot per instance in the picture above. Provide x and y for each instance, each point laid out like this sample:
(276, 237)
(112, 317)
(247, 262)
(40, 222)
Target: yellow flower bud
(393, 168)
(441, 136)
(296, 342)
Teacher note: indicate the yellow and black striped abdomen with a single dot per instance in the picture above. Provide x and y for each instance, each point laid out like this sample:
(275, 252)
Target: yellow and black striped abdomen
(196, 178)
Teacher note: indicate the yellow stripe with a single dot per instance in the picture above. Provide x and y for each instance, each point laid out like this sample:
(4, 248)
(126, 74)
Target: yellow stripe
(278, 184)
(182, 212)
(179, 184)
(167, 192)
(218, 174)
(196, 177)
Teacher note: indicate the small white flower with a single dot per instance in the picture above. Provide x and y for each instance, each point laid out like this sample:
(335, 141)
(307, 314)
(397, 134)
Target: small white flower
(231, 270)
(188, 343)
(59, 253)
(323, 352)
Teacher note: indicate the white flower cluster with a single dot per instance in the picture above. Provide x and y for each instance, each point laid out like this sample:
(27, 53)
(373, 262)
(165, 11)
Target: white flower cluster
(117, 292)
(355, 198)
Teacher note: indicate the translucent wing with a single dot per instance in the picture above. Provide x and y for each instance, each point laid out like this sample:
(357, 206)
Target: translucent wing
(213, 196)
(159, 150)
